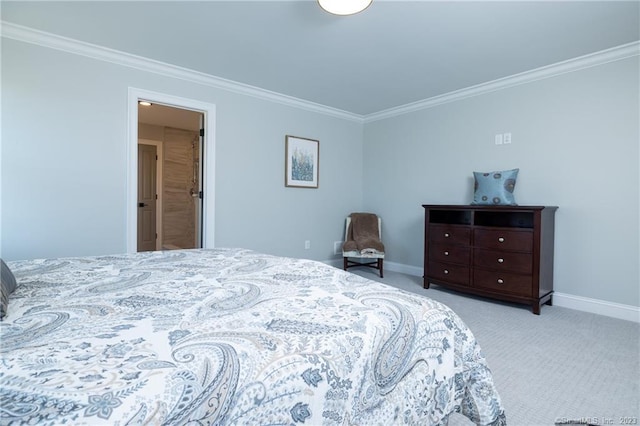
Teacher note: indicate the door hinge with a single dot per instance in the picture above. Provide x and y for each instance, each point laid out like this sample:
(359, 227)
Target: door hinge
(200, 195)
(156, 158)
(156, 235)
(156, 196)
(202, 132)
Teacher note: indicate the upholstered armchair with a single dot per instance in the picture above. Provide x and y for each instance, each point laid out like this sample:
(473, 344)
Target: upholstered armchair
(363, 242)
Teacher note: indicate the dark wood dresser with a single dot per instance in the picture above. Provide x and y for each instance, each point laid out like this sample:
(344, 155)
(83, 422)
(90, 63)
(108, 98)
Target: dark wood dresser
(503, 252)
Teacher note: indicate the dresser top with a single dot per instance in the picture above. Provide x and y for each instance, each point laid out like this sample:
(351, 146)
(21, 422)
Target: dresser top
(486, 207)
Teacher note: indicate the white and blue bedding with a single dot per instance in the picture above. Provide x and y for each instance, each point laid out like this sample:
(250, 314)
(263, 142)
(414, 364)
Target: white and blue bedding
(231, 336)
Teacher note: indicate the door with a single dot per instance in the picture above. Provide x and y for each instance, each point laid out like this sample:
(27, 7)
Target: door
(147, 157)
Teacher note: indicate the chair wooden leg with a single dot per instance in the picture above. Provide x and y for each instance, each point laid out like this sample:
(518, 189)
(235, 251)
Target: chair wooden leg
(344, 264)
(380, 267)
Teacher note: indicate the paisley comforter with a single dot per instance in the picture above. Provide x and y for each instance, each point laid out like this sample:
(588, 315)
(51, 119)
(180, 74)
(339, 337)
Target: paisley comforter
(231, 336)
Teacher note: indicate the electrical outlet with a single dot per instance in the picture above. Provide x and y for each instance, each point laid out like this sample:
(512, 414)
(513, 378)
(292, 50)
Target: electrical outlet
(307, 245)
(499, 139)
(337, 247)
(506, 138)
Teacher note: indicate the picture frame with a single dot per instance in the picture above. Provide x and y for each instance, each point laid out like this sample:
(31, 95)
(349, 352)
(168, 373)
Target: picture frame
(302, 162)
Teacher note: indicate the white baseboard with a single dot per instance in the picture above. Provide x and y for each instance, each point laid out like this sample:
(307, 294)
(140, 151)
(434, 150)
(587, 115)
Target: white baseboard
(579, 303)
(388, 266)
(336, 263)
(414, 271)
(596, 306)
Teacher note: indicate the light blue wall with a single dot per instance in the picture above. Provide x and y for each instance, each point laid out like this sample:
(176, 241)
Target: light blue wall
(64, 161)
(575, 140)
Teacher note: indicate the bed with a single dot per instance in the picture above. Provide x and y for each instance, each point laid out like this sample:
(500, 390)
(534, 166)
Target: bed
(231, 336)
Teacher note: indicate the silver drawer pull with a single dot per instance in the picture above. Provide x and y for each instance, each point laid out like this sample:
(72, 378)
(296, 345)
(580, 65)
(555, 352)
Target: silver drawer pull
(446, 271)
(501, 240)
(500, 260)
(446, 253)
(500, 281)
(446, 235)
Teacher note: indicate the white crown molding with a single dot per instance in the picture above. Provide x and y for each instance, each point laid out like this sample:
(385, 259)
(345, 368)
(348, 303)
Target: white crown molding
(53, 41)
(33, 36)
(575, 64)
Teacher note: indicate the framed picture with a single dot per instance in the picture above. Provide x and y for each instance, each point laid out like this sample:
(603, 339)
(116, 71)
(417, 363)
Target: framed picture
(301, 162)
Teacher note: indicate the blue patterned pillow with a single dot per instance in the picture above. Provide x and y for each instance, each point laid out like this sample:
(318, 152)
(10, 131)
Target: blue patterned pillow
(495, 188)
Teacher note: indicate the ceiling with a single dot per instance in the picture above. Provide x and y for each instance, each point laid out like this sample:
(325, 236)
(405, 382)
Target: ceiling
(392, 54)
(162, 115)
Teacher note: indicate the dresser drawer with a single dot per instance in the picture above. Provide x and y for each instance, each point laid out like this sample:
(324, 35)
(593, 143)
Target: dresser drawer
(503, 261)
(450, 234)
(450, 273)
(503, 282)
(449, 253)
(503, 239)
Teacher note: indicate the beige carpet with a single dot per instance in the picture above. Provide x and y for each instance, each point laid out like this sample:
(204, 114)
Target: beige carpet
(561, 366)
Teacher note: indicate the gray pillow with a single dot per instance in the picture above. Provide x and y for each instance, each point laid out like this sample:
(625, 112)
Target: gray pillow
(8, 285)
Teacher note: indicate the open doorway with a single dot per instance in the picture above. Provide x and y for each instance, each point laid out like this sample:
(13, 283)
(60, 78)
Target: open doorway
(170, 173)
(169, 177)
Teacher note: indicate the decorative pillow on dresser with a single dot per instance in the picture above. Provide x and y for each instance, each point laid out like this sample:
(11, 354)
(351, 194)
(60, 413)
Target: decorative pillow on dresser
(8, 285)
(495, 188)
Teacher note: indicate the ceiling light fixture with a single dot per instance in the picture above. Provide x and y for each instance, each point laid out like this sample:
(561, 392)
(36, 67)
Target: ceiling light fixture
(344, 7)
(144, 103)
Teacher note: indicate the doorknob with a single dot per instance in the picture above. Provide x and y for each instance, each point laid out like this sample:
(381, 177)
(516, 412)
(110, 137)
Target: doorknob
(142, 204)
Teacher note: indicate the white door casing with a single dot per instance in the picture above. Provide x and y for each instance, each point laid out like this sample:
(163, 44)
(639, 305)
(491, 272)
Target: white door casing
(208, 162)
